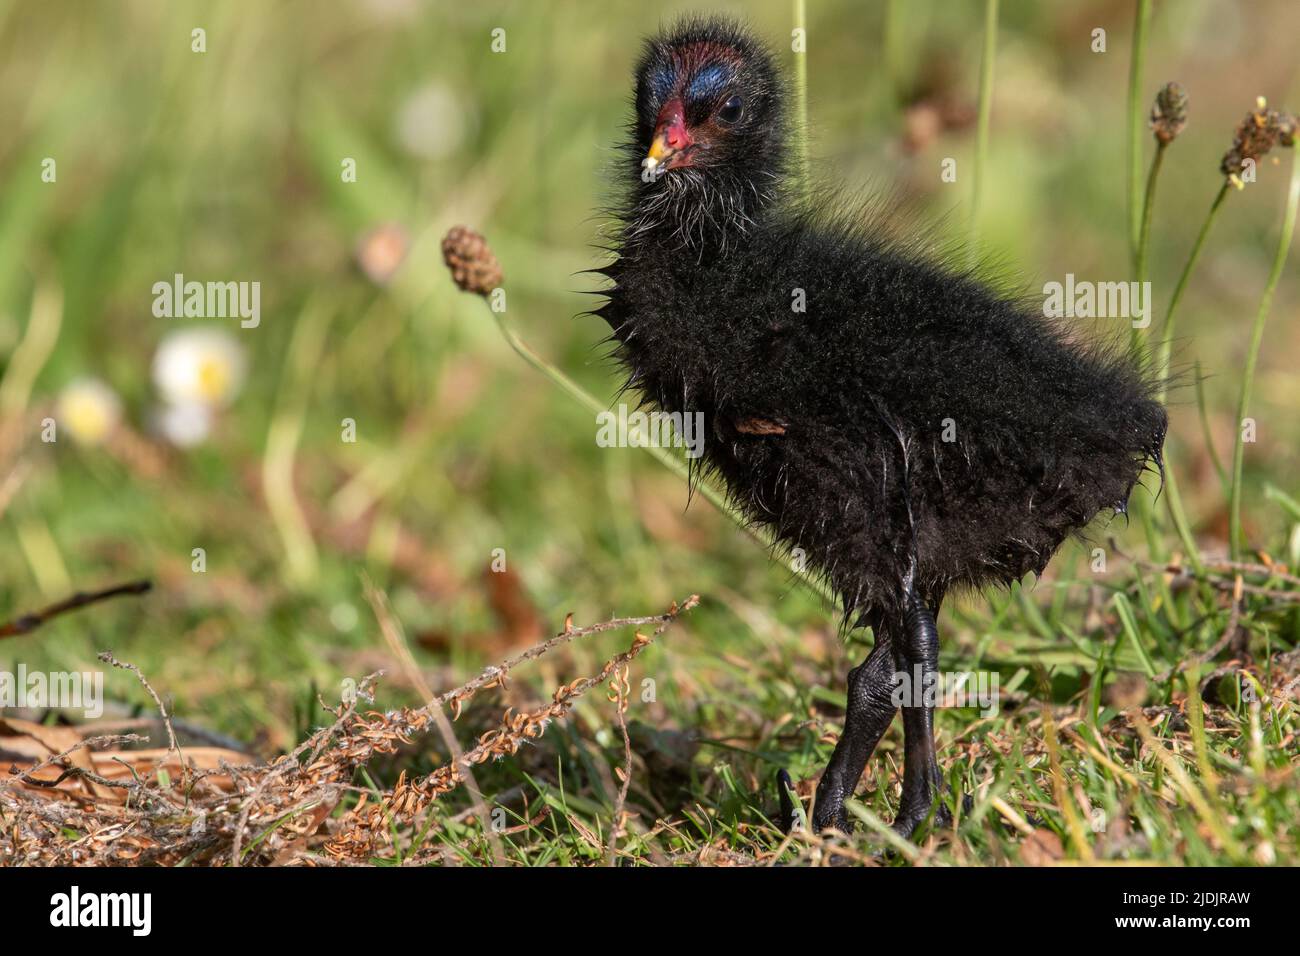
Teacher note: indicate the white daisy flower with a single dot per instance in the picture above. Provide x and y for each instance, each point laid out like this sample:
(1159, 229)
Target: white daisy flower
(184, 425)
(199, 366)
(432, 123)
(89, 410)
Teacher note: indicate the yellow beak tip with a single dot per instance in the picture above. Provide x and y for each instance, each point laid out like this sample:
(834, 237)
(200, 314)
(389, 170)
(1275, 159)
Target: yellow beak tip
(659, 150)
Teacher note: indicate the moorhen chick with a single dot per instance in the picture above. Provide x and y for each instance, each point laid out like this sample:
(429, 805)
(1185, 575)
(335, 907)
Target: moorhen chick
(912, 428)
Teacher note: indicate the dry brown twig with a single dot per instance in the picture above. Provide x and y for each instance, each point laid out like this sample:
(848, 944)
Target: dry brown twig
(27, 623)
(28, 776)
(1224, 575)
(410, 797)
(316, 743)
(618, 696)
(286, 802)
(12, 483)
(1229, 632)
(172, 746)
(396, 640)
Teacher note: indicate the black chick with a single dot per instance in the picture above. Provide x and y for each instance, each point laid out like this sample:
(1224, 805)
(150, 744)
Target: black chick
(908, 427)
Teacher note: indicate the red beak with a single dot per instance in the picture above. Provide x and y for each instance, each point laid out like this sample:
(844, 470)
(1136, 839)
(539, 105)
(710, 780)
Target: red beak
(670, 147)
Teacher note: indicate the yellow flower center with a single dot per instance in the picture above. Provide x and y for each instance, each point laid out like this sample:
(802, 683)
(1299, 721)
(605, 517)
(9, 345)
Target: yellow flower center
(214, 378)
(88, 419)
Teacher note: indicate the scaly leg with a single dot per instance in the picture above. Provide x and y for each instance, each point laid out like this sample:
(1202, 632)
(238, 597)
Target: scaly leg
(918, 657)
(868, 714)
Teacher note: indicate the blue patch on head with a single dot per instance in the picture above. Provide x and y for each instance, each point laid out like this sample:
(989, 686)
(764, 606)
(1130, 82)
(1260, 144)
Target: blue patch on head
(709, 82)
(660, 82)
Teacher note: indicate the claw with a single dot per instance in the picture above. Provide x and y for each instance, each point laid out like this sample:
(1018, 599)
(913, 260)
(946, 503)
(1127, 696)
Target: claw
(789, 817)
(937, 813)
(1158, 456)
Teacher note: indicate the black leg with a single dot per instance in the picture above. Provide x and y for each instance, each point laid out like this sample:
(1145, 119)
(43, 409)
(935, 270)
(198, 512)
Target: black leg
(868, 714)
(918, 657)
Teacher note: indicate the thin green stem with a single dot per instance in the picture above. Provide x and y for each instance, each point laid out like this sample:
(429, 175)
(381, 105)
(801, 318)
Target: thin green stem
(566, 384)
(306, 348)
(665, 457)
(892, 40)
(1181, 524)
(982, 125)
(1167, 334)
(1173, 497)
(1203, 411)
(1252, 356)
(1137, 336)
(1141, 18)
(1138, 215)
(1148, 209)
(801, 93)
(1144, 239)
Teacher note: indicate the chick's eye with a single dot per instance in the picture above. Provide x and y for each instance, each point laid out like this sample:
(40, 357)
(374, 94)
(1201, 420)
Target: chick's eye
(731, 111)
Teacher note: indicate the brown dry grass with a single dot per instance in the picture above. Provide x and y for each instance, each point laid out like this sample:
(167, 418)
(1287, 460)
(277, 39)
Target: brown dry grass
(77, 798)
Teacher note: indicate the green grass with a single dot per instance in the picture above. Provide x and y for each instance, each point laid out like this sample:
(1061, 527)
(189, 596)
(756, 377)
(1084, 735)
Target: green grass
(225, 165)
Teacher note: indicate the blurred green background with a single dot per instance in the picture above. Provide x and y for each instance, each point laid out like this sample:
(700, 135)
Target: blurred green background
(226, 165)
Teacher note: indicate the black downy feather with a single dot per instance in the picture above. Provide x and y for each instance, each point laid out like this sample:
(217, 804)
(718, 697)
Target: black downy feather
(913, 417)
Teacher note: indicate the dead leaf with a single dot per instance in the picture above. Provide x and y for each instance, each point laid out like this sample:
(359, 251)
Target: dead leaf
(1041, 848)
(24, 744)
(48, 740)
(759, 426)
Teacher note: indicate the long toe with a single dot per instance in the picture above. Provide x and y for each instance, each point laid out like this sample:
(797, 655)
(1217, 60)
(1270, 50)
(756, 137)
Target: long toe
(832, 818)
(911, 816)
(787, 815)
(905, 823)
(828, 815)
